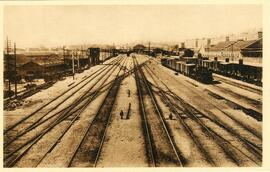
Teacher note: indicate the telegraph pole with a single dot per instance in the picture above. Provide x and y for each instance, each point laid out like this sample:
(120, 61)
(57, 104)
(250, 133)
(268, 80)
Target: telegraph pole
(15, 69)
(8, 67)
(64, 55)
(78, 59)
(232, 52)
(149, 49)
(73, 71)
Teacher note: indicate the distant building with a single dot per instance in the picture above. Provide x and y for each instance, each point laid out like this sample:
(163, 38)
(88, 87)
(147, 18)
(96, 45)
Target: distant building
(139, 48)
(236, 49)
(36, 64)
(42, 64)
(33, 49)
(245, 45)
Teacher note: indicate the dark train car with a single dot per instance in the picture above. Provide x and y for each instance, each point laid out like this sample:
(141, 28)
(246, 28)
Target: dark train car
(188, 53)
(240, 71)
(203, 74)
(248, 73)
(188, 67)
(94, 54)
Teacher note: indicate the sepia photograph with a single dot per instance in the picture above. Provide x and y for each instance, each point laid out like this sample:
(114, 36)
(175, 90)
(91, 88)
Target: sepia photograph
(132, 85)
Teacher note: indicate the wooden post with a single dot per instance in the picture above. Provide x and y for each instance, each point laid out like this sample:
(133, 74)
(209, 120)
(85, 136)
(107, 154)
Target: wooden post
(78, 59)
(15, 70)
(73, 71)
(8, 67)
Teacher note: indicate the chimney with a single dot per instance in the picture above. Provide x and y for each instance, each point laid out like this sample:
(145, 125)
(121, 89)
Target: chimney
(196, 44)
(227, 38)
(182, 44)
(260, 34)
(208, 41)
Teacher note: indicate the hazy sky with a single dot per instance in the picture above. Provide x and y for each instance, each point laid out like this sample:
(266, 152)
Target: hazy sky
(59, 25)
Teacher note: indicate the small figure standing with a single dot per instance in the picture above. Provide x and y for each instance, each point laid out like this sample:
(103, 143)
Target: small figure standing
(129, 108)
(128, 92)
(170, 116)
(121, 114)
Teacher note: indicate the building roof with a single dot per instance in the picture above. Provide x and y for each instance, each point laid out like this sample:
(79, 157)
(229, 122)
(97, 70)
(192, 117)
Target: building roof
(20, 59)
(228, 45)
(139, 47)
(46, 59)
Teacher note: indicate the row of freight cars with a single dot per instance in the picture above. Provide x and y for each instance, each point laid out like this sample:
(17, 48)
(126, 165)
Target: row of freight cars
(201, 69)
(248, 73)
(189, 66)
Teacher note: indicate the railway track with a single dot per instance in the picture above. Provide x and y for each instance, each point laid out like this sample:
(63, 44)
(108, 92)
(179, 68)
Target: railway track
(248, 111)
(177, 112)
(236, 84)
(160, 147)
(239, 123)
(87, 80)
(88, 151)
(256, 104)
(14, 152)
(231, 150)
(93, 159)
(32, 124)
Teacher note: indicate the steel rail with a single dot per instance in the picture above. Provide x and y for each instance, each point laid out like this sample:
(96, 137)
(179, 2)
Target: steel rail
(39, 136)
(220, 140)
(149, 90)
(89, 128)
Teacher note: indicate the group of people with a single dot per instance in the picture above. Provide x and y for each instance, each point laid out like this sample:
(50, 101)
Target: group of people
(129, 108)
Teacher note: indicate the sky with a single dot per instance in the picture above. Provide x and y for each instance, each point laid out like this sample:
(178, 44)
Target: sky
(32, 26)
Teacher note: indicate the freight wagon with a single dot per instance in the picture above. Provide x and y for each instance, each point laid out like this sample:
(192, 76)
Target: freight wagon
(188, 67)
(240, 71)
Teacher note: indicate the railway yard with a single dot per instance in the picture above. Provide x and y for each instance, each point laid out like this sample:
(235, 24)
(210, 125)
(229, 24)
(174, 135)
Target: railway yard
(132, 111)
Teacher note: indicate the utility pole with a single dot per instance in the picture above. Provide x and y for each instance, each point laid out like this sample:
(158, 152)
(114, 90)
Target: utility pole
(149, 49)
(15, 69)
(73, 71)
(232, 52)
(81, 52)
(78, 59)
(64, 55)
(8, 67)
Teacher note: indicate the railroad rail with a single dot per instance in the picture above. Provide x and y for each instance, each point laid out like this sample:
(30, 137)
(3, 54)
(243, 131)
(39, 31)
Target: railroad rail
(237, 84)
(255, 104)
(15, 155)
(239, 123)
(88, 151)
(98, 72)
(177, 112)
(25, 129)
(227, 147)
(162, 152)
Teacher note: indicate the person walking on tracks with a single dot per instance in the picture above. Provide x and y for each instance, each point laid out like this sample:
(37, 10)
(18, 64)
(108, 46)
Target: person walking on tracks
(129, 109)
(128, 92)
(170, 116)
(121, 114)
